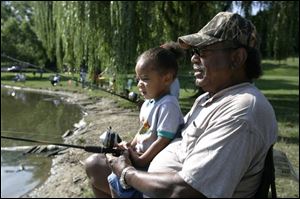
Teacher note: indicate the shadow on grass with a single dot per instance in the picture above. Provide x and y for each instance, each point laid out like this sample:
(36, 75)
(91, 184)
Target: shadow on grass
(263, 84)
(288, 140)
(186, 104)
(286, 107)
(267, 66)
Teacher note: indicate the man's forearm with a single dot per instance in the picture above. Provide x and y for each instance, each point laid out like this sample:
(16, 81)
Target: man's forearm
(160, 184)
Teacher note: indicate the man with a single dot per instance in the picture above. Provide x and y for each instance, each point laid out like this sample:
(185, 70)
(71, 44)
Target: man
(227, 132)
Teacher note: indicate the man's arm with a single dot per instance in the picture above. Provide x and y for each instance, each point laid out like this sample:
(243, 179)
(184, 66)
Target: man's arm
(160, 184)
(152, 184)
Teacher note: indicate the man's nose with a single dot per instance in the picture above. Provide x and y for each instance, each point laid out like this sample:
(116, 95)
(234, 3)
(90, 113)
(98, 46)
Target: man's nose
(195, 59)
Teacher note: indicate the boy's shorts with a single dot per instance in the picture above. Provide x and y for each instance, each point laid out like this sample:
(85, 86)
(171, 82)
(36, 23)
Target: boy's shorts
(114, 182)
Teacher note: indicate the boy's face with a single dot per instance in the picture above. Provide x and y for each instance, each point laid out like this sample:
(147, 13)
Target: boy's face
(151, 84)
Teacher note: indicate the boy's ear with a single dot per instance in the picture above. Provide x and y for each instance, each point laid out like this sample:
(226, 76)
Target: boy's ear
(168, 78)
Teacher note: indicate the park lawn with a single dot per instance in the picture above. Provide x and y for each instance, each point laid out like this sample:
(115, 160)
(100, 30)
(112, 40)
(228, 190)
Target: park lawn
(279, 83)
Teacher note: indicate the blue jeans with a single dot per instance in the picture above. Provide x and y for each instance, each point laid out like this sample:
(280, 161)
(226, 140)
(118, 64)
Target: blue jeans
(114, 182)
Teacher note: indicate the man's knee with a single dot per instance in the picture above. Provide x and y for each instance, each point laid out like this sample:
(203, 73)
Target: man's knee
(97, 171)
(95, 163)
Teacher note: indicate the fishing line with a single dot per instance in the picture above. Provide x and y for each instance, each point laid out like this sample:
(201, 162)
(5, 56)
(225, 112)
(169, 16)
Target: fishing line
(43, 135)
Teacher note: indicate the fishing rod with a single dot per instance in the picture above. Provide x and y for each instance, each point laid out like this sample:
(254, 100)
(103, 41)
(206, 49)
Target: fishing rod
(93, 149)
(132, 96)
(26, 64)
(16, 60)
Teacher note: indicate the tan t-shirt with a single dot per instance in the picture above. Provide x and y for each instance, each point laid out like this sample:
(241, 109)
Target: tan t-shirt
(224, 143)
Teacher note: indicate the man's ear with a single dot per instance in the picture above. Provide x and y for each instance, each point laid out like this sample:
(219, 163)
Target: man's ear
(239, 57)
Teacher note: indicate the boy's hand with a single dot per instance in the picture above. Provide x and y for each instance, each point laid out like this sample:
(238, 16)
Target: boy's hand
(123, 145)
(135, 157)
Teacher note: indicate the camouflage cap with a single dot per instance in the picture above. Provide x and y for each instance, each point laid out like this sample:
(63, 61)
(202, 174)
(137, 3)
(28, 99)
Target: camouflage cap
(225, 26)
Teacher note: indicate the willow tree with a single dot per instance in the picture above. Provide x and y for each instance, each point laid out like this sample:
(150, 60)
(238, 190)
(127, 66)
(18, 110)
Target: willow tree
(44, 28)
(285, 26)
(79, 29)
(105, 34)
(278, 26)
(112, 34)
(124, 34)
(69, 40)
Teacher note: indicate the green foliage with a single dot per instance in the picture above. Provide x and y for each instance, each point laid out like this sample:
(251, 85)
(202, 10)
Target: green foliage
(44, 26)
(17, 37)
(111, 34)
(278, 26)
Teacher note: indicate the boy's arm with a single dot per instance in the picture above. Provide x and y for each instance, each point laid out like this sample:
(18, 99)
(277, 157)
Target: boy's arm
(144, 160)
(133, 142)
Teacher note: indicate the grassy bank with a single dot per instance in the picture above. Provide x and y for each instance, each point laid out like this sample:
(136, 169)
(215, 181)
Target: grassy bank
(280, 84)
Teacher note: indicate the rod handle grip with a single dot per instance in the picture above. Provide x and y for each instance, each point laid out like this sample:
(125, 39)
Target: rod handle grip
(97, 149)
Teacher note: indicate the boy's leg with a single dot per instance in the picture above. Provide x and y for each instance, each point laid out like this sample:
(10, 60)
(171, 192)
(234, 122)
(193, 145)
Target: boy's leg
(113, 193)
(118, 192)
(98, 193)
(97, 171)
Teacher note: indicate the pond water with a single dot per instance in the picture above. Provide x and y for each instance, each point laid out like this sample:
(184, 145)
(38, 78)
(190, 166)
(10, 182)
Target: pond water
(34, 116)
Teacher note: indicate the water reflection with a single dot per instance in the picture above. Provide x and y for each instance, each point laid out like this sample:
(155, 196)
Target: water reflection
(34, 116)
(19, 96)
(20, 173)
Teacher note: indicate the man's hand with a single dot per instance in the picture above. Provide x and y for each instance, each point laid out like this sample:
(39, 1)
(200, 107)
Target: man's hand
(117, 164)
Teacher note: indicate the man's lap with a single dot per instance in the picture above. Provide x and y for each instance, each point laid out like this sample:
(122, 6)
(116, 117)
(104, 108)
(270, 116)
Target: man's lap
(167, 160)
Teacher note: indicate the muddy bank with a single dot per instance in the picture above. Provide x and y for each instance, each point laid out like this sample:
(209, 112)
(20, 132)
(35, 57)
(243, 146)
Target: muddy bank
(67, 178)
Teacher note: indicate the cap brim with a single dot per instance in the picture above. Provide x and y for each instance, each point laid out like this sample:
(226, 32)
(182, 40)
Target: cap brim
(198, 39)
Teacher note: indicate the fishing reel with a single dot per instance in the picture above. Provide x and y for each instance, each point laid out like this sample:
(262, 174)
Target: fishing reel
(110, 139)
(132, 96)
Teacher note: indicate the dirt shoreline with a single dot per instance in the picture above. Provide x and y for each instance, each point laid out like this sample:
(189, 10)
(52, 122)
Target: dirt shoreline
(67, 178)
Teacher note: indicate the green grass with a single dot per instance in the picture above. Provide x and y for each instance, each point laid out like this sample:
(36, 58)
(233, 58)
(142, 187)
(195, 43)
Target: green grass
(288, 67)
(280, 84)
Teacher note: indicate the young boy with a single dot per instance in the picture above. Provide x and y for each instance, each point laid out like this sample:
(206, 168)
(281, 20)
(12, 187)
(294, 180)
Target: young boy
(160, 114)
